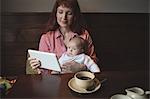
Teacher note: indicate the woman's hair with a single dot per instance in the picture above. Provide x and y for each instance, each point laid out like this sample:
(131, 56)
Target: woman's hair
(77, 22)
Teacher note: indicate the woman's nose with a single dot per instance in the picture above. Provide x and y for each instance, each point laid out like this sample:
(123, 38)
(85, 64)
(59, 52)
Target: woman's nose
(64, 16)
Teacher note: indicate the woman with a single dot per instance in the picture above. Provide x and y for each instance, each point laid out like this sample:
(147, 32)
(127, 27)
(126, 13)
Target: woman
(65, 23)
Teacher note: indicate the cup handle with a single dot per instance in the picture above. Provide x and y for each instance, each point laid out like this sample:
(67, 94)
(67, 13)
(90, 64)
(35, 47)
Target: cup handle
(147, 92)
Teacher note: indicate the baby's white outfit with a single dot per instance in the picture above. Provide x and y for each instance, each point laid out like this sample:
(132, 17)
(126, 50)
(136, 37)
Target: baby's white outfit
(82, 59)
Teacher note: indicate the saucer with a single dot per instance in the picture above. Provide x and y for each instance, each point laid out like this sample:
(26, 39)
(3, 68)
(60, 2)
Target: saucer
(72, 85)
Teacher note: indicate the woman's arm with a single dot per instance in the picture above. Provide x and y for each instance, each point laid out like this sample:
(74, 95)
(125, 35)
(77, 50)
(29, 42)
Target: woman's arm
(72, 67)
(69, 66)
(44, 44)
(90, 46)
(33, 65)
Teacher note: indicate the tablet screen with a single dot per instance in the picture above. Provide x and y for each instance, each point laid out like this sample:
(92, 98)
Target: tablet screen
(48, 60)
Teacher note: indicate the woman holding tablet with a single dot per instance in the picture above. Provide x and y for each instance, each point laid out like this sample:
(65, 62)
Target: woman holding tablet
(64, 24)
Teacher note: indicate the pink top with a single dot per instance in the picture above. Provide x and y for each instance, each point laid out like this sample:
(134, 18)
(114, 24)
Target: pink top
(53, 42)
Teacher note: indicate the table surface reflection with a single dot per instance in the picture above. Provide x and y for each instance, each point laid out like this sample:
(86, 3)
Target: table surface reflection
(56, 86)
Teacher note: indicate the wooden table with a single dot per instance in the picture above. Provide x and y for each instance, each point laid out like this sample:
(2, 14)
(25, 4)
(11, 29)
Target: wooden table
(55, 86)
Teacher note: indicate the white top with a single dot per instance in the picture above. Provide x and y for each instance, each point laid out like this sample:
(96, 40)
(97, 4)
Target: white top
(82, 59)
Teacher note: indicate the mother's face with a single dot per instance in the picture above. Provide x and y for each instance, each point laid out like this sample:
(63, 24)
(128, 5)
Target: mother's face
(64, 16)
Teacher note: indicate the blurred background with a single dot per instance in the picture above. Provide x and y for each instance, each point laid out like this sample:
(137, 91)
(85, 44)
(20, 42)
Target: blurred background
(119, 29)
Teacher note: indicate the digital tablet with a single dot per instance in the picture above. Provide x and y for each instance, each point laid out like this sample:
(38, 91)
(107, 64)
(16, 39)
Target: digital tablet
(48, 60)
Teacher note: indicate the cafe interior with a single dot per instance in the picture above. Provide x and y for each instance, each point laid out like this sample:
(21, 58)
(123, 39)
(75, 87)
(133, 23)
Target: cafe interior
(120, 34)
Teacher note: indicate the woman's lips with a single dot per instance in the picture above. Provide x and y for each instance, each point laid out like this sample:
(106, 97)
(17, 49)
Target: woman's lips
(64, 22)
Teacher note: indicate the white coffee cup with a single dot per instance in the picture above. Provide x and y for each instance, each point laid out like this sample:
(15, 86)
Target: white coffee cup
(84, 79)
(120, 96)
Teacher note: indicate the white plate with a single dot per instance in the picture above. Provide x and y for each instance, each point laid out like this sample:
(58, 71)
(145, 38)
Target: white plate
(72, 85)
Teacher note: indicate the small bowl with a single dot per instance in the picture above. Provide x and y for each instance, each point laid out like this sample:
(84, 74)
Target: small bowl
(120, 96)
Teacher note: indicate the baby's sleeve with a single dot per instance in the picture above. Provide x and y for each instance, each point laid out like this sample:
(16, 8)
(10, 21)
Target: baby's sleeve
(91, 65)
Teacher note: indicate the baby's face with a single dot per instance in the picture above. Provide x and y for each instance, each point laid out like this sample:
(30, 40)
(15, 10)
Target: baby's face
(73, 48)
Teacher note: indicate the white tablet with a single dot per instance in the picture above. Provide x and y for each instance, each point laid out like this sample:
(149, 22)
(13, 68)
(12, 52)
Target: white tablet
(48, 60)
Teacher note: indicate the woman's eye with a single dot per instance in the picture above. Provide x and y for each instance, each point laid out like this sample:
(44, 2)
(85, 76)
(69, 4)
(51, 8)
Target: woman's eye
(60, 12)
(69, 13)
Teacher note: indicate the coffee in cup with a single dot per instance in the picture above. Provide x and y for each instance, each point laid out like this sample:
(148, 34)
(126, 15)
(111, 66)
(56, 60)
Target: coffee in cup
(84, 79)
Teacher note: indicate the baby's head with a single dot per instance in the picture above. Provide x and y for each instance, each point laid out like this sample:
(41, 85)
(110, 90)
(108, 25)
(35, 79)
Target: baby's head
(75, 46)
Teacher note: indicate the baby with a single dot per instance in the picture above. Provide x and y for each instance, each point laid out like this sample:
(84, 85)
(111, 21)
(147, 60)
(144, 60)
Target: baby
(75, 52)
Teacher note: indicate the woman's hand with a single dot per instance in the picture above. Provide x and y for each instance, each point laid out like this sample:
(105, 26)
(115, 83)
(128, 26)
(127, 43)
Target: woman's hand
(72, 67)
(34, 63)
